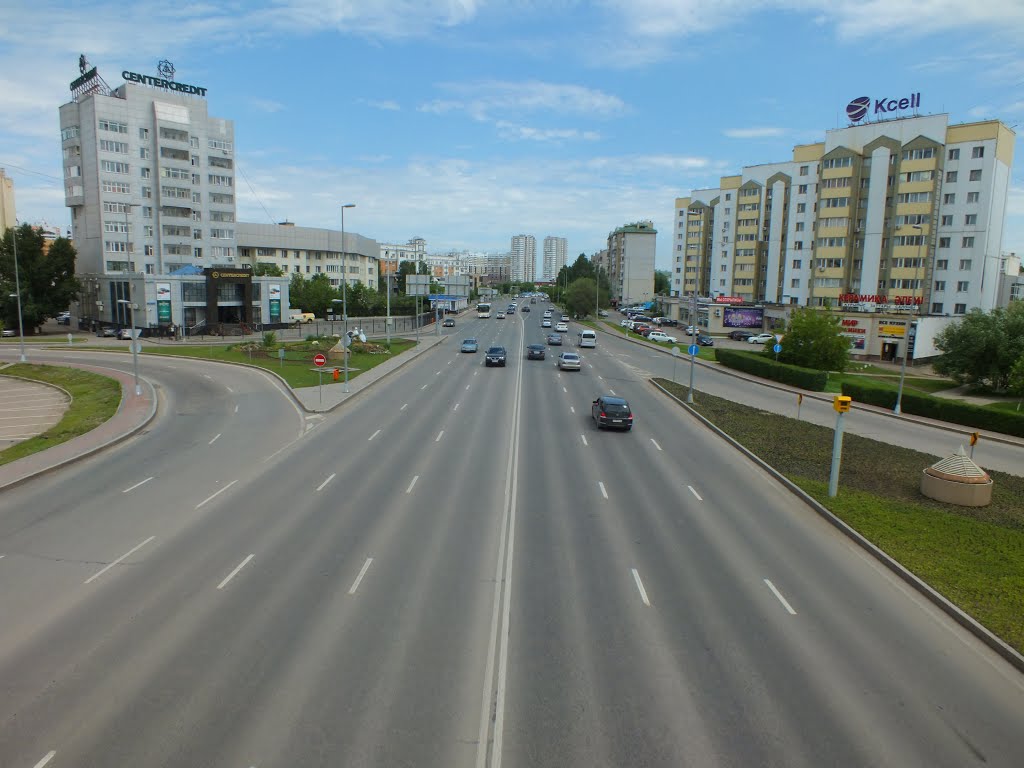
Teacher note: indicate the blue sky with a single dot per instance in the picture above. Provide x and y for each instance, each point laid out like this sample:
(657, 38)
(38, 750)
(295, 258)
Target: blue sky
(468, 121)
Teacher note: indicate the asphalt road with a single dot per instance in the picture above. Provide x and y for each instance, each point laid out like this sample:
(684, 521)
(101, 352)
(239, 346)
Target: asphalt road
(458, 569)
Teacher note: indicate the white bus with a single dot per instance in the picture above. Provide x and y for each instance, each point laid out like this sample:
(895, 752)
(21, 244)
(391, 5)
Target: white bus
(483, 310)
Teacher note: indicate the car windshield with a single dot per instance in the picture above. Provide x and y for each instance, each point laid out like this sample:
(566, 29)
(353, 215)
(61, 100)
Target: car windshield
(496, 351)
(469, 341)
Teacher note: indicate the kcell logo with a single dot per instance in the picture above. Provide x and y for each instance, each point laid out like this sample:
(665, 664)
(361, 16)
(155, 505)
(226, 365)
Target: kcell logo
(857, 109)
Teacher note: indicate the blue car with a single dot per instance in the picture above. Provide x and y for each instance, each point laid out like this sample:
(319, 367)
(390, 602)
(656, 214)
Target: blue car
(469, 345)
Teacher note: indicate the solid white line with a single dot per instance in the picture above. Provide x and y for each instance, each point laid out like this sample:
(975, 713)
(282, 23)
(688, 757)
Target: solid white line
(781, 598)
(694, 492)
(127, 554)
(404, 407)
(456, 407)
(325, 482)
(640, 586)
(230, 390)
(215, 439)
(655, 443)
(362, 572)
(132, 488)
(231, 575)
(236, 409)
(603, 491)
(414, 479)
(373, 435)
(584, 439)
(423, 387)
(438, 438)
(46, 759)
(565, 390)
(218, 493)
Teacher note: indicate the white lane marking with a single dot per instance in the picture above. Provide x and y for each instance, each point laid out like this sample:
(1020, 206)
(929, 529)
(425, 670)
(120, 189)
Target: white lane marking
(640, 586)
(423, 387)
(600, 377)
(438, 438)
(565, 390)
(572, 409)
(467, 387)
(2, 557)
(373, 435)
(612, 392)
(133, 487)
(208, 376)
(404, 407)
(414, 479)
(584, 439)
(449, 362)
(218, 493)
(325, 482)
(694, 492)
(230, 390)
(655, 443)
(456, 407)
(781, 598)
(438, 373)
(603, 491)
(475, 372)
(47, 758)
(231, 575)
(362, 572)
(236, 409)
(215, 439)
(127, 554)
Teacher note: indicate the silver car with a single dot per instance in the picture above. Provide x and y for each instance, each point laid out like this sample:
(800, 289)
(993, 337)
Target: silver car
(569, 361)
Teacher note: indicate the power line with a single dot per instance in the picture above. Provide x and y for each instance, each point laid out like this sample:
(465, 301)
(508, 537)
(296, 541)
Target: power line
(249, 184)
(34, 173)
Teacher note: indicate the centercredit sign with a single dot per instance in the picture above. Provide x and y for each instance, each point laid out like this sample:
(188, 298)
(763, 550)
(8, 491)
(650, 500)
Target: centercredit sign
(159, 82)
(858, 109)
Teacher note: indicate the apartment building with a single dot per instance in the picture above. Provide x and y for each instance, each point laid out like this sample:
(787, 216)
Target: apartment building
(555, 249)
(630, 262)
(8, 216)
(894, 214)
(393, 254)
(523, 258)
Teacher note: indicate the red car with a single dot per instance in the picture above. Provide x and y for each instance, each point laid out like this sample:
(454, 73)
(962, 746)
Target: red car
(643, 330)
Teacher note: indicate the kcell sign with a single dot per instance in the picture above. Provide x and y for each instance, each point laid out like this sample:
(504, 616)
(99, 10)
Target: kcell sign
(858, 109)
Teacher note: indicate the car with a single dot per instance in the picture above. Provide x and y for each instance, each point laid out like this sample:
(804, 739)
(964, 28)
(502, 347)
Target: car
(125, 334)
(661, 336)
(640, 328)
(64, 318)
(555, 339)
(535, 352)
(740, 335)
(611, 412)
(602, 313)
(665, 321)
(545, 323)
(624, 323)
(569, 361)
(526, 308)
(8, 332)
(500, 316)
(761, 338)
(565, 318)
(448, 323)
(495, 356)
(109, 331)
(470, 345)
(562, 327)
(704, 340)
(547, 313)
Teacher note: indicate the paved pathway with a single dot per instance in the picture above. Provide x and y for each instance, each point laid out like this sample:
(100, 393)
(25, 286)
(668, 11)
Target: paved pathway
(28, 408)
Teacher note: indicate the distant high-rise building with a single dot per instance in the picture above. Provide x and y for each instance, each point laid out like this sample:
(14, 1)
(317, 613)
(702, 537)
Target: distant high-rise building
(554, 257)
(524, 258)
(631, 263)
(7, 214)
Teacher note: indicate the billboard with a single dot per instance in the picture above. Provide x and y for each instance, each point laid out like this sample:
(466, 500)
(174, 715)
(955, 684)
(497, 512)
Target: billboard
(743, 317)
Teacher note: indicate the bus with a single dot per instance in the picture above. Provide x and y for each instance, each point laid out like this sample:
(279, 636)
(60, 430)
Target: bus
(483, 310)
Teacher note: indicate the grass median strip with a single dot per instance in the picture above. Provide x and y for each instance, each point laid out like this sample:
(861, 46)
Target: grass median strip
(973, 556)
(94, 399)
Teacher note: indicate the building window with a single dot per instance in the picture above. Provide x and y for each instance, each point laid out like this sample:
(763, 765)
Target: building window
(147, 212)
(937, 308)
(147, 192)
(144, 153)
(946, 221)
(959, 309)
(972, 197)
(950, 177)
(71, 132)
(977, 152)
(804, 170)
(966, 264)
(971, 220)
(798, 245)
(111, 166)
(962, 286)
(968, 242)
(975, 175)
(146, 173)
(112, 126)
(147, 230)
(801, 207)
(918, 154)
(954, 154)
(802, 189)
(944, 242)
(794, 283)
(799, 226)
(118, 187)
(148, 250)
(941, 264)
(940, 285)
(949, 199)
(120, 147)
(797, 263)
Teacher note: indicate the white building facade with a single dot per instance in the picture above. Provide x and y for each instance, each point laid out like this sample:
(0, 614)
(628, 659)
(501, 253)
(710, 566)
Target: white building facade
(523, 258)
(310, 251)
(630, 263)
(555, 251)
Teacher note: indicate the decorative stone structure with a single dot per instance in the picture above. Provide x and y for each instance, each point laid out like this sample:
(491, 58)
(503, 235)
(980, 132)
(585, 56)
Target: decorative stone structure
(957, 480)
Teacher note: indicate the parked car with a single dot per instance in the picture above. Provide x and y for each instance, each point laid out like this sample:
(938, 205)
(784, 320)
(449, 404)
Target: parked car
(125, 334)
(8, 332)
(555, 339)
(611, 412)
(665, 321)
(448, 323)
(740, 335)
(470, 345)
(108, 331)
(602, 313)
(495, 356)
(64, 318)
(535, 352)
(569, 361)
(661, 336)
(705, 341)
(639, 328)
(761, 338)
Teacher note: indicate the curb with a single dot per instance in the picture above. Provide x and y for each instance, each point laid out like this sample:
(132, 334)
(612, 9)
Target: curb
(962, 618)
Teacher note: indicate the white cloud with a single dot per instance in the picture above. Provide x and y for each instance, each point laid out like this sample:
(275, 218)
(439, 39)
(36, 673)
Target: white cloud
(754, 133)
(386, 105)
(511, 131)
(491, 99)
(267, 105)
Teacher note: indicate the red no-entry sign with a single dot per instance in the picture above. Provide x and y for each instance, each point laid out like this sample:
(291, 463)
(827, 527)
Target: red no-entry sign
(319, 360)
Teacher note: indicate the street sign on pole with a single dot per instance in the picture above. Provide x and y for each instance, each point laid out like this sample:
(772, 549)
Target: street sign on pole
(693, 349)
(319, 360)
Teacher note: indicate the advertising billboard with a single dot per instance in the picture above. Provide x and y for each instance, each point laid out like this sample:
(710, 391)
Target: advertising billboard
(743, 317)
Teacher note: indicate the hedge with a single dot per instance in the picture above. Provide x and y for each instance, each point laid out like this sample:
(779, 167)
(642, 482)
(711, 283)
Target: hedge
(943, 409)
(758, 365)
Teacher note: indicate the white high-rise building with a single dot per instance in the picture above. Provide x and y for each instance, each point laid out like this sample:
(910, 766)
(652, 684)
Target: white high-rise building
(554, 257)
(524, 258)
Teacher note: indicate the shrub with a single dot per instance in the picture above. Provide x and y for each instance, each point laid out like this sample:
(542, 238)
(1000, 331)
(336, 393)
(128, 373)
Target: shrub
(269, 339)
(754, 363)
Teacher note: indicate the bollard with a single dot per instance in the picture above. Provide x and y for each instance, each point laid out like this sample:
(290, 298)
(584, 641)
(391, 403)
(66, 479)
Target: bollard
(337, 374)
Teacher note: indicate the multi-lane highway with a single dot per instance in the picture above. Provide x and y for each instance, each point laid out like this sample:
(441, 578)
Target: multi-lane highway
(458, 569)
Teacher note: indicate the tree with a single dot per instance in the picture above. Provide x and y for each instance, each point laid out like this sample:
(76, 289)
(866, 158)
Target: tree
(579, 299)
(661, 281)
(1015, 386)
(983, 347)
(318, 295)
(297, 291)
(48, 283)
(266, 269)
(813, 340)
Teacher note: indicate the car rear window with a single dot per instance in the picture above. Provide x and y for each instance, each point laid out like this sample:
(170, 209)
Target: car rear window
(616, 410)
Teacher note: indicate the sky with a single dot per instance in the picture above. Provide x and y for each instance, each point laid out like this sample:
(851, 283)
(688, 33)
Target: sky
(466, 122)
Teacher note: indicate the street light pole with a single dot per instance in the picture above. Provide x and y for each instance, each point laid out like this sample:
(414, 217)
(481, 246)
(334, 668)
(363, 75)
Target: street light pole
(906, 336)
(17, 290)
(135, 346)
(344, 284)
(387, 322)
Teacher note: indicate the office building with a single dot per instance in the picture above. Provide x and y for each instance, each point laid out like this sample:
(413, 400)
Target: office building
(630, 263)
(8, 215)
(554, 257)
(523, 258)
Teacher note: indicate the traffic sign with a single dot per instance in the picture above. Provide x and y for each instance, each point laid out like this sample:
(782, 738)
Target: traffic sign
(319, 360)
(693, 349)
(777, 348)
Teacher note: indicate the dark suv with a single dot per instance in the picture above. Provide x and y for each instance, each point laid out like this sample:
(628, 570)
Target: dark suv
(740, 335)
(495, 356)
(612, 413)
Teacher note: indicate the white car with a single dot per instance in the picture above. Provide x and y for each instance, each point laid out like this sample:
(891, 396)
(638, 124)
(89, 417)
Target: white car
(624, 323)
(546, 322)
(661, 336)
(761, 338)
(562, 327)
(569, 361)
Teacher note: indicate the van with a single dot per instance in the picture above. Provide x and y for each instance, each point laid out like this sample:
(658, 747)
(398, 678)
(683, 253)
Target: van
(588, 338)
(301, 317)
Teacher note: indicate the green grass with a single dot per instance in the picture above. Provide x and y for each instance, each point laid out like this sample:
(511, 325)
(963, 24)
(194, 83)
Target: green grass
(923, 384)
(297, 367)
(973, 556)
(95, 399)
(1010, 406)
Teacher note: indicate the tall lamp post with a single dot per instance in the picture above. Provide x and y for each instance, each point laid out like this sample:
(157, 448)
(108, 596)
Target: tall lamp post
(910, 323)
(344, 286)
(135, 345)
(387, 322)
(17, 291)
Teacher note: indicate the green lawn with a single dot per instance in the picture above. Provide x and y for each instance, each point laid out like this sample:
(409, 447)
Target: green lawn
(923, 384)
(95, 399)
(974, 556)
(297, 367)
